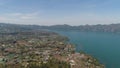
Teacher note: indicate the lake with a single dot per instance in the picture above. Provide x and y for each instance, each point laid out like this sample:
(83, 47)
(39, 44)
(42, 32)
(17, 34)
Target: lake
(103, 46)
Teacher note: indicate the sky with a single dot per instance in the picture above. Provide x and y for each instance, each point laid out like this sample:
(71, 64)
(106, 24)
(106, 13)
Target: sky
(55, 12)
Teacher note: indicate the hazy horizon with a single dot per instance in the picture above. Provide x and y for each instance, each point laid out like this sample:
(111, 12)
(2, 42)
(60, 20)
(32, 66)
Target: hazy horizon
(56, 24)
(58, 12)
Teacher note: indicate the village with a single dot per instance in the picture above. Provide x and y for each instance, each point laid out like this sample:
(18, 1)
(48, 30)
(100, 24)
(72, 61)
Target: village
(19, 50)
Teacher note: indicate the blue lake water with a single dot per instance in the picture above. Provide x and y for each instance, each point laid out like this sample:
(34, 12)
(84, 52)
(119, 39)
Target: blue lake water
(103, 46)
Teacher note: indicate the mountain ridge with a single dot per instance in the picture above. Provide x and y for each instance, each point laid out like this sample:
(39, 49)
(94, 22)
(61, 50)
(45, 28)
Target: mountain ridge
(112, 28)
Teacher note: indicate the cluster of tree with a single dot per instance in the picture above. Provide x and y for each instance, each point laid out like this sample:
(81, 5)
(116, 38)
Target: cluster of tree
(53, 63)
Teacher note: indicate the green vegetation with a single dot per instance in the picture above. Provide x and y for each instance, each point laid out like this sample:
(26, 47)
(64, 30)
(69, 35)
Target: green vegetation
(52, 63)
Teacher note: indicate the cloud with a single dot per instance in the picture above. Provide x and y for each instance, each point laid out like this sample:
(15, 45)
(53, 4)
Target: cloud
(20, 17)
(45, 19)
(30, 16)
(5, 19)
(24, 15)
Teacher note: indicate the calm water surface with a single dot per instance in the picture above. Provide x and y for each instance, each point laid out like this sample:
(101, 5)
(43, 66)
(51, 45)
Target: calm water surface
(104, 46)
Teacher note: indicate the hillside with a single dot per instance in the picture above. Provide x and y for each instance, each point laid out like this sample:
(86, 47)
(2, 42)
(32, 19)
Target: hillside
(28, 46)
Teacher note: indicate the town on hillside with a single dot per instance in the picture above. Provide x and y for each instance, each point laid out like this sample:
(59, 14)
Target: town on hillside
(41, 49)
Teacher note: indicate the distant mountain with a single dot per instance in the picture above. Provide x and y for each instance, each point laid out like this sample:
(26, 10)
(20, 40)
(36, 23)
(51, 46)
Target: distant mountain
(16, 27)
(114, 28)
